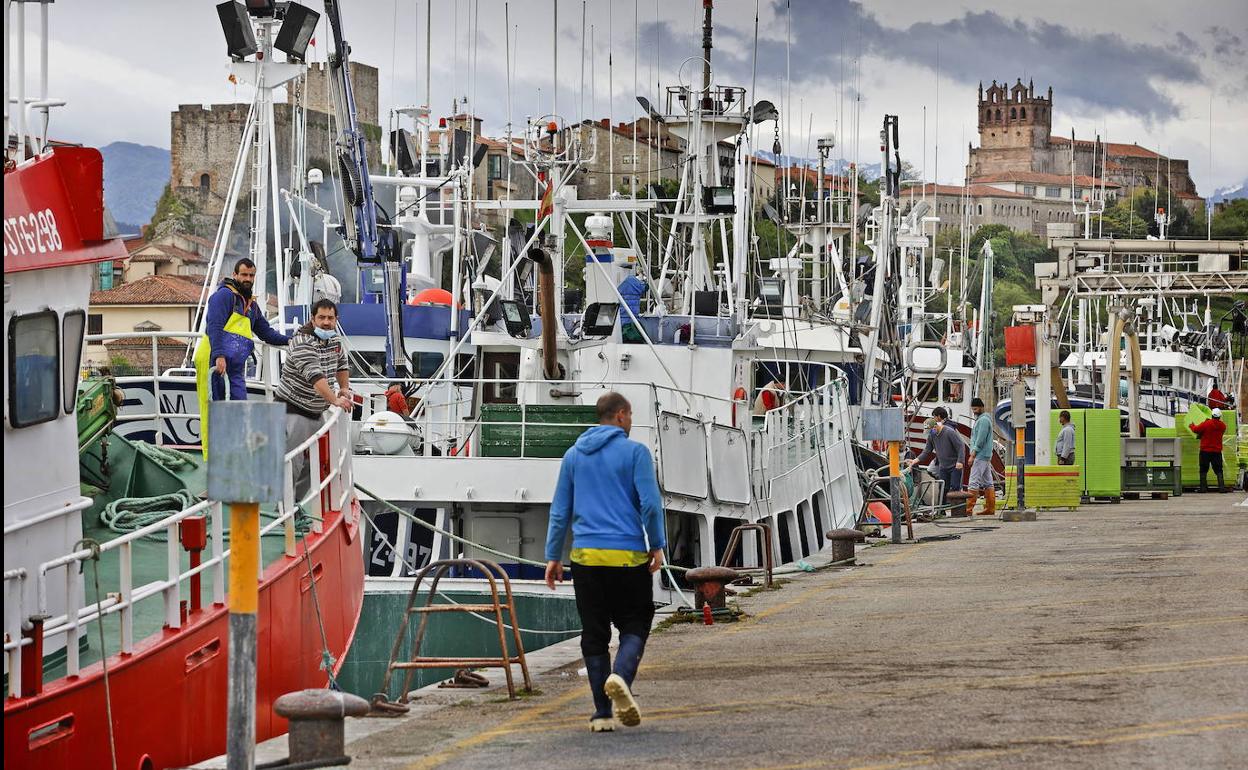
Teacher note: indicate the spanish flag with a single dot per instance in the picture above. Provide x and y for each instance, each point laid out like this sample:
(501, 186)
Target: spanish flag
(548, 203)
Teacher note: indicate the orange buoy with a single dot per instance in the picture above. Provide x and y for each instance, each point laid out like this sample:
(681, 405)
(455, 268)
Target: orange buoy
(432, 297)
(880, 512)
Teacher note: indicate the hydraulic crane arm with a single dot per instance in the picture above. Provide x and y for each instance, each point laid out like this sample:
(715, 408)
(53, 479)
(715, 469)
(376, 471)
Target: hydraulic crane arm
(362, 234)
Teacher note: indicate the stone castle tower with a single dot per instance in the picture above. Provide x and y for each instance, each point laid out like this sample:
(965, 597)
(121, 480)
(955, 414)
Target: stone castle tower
(1013, 124)
(204, 139)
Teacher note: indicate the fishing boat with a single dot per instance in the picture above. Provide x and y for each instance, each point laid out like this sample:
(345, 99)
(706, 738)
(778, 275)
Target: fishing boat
(675, 327)
(115, 606)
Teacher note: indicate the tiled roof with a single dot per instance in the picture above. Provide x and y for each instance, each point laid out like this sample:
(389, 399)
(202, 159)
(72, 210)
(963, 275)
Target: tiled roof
(1191, 196)
(166, 253)
(143, 343)
(152, 290)
(1036, 177)
(1111, 148)
(972, 190)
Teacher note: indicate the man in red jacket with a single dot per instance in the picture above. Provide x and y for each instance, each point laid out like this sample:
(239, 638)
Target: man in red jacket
(1210, 432)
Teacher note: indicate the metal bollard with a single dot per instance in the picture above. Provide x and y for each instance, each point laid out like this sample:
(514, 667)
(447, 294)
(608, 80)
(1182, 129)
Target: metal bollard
(708, 584)
(317, 731)
(843, 543)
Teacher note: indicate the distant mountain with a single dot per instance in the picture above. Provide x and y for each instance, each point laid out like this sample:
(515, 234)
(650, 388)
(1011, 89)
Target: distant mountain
(134, 177)
(1230, 192)
(838, 166)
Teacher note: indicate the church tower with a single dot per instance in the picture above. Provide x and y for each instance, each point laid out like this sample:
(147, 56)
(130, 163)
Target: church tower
(1014, 118)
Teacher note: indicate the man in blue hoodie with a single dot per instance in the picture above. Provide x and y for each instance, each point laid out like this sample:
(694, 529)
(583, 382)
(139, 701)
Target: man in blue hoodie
(608, 495)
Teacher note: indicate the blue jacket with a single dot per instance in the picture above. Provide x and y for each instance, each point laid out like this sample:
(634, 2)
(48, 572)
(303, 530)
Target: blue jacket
(224, 301)
(608, 494)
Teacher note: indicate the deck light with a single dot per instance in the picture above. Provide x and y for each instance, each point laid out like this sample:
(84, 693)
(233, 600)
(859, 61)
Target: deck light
(298, 26)
(259, 8)
(240, 41)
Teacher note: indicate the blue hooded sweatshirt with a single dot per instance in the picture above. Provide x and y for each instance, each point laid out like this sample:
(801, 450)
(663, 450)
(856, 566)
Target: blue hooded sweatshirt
(608, 494)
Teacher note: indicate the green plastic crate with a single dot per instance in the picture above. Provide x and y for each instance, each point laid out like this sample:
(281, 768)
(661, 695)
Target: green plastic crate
(1098, 449)
(548, 430)
(1048, 486)
(1151, 478)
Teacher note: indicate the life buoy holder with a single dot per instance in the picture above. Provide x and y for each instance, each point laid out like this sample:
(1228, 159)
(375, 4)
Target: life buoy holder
(738, 397)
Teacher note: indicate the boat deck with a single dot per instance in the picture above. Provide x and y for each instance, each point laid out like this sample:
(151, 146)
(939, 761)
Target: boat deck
(1108, 637)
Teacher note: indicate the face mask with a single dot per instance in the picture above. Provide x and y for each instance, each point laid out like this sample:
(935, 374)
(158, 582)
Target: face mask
(325, 334)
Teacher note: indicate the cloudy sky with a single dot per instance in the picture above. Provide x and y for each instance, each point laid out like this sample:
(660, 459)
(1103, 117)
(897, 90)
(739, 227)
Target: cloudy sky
(1131, 70)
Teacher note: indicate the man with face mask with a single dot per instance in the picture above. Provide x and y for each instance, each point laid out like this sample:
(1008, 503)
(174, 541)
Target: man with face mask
(315, 355)
(231, 317)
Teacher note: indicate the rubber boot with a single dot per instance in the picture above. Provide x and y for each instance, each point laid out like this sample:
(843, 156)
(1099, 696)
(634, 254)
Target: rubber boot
(597, 669)
(970, 502)
(628, 657)
(990, 501)
(619, 685)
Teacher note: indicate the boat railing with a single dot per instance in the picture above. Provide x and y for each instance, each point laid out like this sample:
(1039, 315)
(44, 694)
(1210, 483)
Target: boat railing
(801, 428)
(330, 486)
(156, 374)
(443, 422)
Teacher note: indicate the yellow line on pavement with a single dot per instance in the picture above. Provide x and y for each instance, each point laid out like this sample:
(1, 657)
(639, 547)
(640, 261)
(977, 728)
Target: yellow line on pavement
(1108, 736)
(511, 725)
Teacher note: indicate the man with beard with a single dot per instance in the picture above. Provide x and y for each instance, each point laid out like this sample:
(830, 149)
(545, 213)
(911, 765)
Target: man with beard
(221, 354)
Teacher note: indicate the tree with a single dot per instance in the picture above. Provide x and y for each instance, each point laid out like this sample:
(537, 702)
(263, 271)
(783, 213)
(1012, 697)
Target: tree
(174, 214)
(1231, 221)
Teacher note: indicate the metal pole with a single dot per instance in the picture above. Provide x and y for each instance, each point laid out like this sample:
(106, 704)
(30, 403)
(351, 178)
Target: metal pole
(894, 488)
(1020, 454)
(244, 600)
(246, 467)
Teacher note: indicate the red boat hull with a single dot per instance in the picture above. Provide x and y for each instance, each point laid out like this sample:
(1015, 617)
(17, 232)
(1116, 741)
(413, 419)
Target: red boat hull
(169, 696)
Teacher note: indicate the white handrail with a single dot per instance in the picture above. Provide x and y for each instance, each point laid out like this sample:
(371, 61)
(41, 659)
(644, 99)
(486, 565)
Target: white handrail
(70, 623)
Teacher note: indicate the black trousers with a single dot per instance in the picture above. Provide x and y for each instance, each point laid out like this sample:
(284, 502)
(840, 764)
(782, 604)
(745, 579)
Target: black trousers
(623, 596)
(1211, 460)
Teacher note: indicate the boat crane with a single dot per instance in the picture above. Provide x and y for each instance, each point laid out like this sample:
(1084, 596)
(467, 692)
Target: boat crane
(360, 230)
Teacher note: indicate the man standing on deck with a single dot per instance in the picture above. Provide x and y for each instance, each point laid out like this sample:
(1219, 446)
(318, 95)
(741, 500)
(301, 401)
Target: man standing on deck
(608, 495)
(1065, 447)
(1210, 432)
(981, 461)
(221, 354)
(315, 355)
(944, 444)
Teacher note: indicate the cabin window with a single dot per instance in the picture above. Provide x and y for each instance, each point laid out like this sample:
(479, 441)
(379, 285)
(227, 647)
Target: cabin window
(1146, 375)
(72, 327)
(1165, 376)
(425, 364)
(34, 353)
(953, 392)
(925, 390)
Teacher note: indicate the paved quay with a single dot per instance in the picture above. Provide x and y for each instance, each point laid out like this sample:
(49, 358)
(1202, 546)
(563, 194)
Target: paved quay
(1115, 636)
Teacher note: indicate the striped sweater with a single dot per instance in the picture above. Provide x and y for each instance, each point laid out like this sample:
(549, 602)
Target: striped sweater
(309, 359)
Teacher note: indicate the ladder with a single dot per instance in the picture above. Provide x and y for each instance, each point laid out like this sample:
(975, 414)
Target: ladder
(435, 571)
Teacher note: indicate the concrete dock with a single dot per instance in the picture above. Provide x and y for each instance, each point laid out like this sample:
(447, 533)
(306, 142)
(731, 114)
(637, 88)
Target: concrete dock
(1114, 636)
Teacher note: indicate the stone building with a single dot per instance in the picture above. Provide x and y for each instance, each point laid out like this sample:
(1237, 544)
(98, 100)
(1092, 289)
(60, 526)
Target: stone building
(652, 158)
(1015, 136)
(204, 140)
(151, 304)
(989, 205)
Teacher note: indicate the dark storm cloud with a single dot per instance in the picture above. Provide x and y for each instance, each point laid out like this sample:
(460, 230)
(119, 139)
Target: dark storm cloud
(1098, 71)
